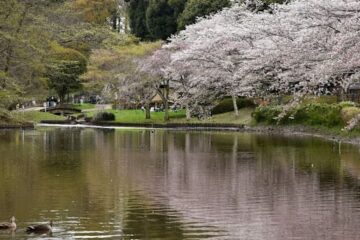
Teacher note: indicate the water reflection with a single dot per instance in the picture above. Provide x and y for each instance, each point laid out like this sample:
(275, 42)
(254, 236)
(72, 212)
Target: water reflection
(139, 184)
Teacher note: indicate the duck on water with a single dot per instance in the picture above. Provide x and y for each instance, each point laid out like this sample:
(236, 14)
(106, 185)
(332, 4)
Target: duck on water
(40, 229)
(8, 225)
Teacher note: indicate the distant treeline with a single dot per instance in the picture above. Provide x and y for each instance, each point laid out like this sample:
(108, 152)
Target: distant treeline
(159, 19)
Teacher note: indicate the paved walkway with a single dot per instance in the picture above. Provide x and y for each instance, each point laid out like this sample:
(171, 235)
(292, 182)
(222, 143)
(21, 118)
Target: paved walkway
(103, 106)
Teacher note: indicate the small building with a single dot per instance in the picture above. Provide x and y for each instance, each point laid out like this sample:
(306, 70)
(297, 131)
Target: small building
(157, 99)
(353, 92)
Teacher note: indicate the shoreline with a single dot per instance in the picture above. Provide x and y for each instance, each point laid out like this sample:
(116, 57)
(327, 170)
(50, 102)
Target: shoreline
(295, 130)
(27, 126)
(224, 126)
(303, 131)
(298, 130)
(192, 127)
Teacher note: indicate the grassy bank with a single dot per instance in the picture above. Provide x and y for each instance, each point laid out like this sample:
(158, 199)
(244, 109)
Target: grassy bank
(317, 117)
(244, 118)
(35, 116)
(138, 116)
(8, 120)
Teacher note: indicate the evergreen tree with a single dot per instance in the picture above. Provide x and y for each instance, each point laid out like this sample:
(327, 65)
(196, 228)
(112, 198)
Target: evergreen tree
(199, 8)
(64, 69)
(137, 17)
(178, 6)
(160, 19)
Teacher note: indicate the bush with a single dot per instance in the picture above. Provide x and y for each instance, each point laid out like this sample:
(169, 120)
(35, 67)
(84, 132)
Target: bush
(103, 116)
(329, 99)
(309, 114)
(9, 99)
(266, 114)
(4, 115)
(226, 105)
(347, 113)
(319, 114)
(347, 104)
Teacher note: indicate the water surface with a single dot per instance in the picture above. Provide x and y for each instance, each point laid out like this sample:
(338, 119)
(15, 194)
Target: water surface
(139, 184)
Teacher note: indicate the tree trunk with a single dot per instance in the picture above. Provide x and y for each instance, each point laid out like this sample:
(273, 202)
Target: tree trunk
(188, 114)
(166, 114)
(61, 98)
(147, 111)
(236, 109)
(3, 82)
(114, 22)
(126, 23)
(166, 103)
(165, 98)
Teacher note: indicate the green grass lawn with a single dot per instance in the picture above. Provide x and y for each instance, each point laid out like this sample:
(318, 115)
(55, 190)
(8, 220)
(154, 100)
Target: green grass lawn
(138, 116)
(35, 116)
(229, 117)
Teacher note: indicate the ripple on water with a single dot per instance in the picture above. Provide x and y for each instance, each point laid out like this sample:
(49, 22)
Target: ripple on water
(97, 184)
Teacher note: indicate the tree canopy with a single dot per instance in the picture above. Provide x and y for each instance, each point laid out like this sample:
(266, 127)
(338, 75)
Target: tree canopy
(137, 15)
(199, 8)
(299, 48)
(39, 40)
(159, 19)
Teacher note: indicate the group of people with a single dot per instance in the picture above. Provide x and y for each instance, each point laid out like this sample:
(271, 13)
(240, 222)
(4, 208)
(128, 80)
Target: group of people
(153, 109)
(161, 108)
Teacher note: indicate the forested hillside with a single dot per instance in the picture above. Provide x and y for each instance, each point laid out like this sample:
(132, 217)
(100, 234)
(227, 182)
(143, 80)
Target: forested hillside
(59, 47)
(158, 19)
(47, 44)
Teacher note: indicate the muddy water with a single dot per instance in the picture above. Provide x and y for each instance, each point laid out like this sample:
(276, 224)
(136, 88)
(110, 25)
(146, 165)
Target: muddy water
(138, 184)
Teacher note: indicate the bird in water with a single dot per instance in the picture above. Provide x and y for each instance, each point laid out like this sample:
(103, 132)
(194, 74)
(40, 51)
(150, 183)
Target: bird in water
(8, 225)
(40, 229)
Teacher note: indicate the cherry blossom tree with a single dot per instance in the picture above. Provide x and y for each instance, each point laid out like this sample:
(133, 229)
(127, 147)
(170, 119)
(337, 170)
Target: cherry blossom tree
(304, 47)
(211, 51)
(312, 46)
(136, 88)
(155, 67)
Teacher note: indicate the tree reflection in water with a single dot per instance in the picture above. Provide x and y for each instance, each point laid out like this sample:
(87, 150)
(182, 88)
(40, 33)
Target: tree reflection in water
(140, 184)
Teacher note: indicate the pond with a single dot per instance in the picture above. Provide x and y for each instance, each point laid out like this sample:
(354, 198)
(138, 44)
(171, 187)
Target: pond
(143, 184)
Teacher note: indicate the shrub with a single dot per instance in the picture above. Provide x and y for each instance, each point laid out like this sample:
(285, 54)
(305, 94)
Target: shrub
(347, 104)
(347, 113)
(329, 99)
(103, 116)
(9, 99)
(226, 105)
(80, 116)
(4, 115)
(88, 119)
(310, 114)
(319, 114)
(266, 114)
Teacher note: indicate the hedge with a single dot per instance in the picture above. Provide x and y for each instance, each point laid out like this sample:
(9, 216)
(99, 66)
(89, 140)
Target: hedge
(310, 114)
(226, 105)
(103, 116)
